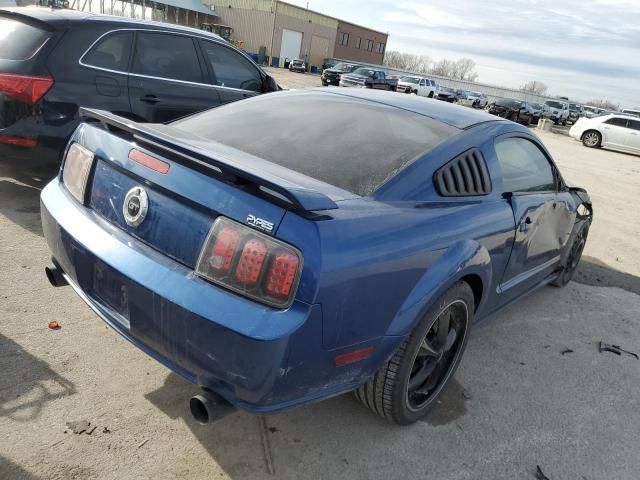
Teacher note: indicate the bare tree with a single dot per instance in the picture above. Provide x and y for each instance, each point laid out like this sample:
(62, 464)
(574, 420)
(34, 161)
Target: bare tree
(535, 86)
(407, 61)
(461, 69)
(464, 69)
(605, 104)
(443, 68)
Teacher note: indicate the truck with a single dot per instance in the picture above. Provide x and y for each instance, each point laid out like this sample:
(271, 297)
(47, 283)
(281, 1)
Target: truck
(366, 77)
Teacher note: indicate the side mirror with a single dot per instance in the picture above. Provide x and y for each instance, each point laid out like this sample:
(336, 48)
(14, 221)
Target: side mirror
(270, 85)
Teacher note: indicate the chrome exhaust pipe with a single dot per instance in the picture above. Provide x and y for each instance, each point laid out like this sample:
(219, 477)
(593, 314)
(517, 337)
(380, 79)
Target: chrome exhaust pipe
(55, 276)
(207, 407)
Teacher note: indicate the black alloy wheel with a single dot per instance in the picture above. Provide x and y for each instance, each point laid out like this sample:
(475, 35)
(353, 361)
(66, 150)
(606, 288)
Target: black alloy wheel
(405, 388)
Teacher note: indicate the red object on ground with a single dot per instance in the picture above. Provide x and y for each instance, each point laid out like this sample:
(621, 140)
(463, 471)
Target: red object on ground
(54, 325)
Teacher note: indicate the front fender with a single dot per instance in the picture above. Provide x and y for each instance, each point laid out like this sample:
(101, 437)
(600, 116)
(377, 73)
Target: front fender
(463, 258)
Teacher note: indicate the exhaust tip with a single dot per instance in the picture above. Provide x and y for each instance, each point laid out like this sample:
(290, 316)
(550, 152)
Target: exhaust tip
(55, 277)
(207, 407)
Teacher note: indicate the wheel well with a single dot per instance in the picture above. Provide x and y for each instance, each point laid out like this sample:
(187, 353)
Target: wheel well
(475, 282)
(587, 131)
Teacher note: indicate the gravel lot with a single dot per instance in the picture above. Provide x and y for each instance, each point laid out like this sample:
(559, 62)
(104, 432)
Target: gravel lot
(517, 401)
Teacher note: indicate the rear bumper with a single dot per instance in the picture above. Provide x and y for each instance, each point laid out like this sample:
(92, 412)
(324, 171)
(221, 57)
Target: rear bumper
(257, 358)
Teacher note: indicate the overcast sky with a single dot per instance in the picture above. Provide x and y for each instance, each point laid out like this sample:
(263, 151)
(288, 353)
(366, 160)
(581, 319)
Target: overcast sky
(583, 49)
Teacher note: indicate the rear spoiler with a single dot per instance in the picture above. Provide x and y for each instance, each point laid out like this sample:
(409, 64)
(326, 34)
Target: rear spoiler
(298, 196)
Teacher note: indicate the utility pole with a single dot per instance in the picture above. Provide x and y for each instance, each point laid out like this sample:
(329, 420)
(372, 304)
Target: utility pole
(273, 31)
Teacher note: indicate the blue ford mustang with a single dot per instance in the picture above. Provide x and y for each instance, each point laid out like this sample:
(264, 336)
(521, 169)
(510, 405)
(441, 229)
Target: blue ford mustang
(295, 246)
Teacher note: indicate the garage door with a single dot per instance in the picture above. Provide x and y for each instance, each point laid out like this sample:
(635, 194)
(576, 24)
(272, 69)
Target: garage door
(291, 45)
(319, 50)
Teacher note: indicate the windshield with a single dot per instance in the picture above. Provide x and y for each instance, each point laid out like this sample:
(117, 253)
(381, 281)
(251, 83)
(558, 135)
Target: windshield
(507, 102)
(414, 80)
(555, 104)
(446, 89)
(367, 72)
(370, 142)
(344, 67)
(18, 40)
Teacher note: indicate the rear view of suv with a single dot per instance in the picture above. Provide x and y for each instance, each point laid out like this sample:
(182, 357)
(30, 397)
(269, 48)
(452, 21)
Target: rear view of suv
(53, 62)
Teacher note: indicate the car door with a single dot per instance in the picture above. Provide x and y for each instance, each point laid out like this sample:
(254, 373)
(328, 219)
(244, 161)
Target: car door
(233, 75)
(105, 81)
(634, 135)
(543, 214)
(167, 79)
(615, 132)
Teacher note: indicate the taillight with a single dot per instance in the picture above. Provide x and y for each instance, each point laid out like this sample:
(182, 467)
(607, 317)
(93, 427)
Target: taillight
(75, 173)
(250, 262)
(24, 88)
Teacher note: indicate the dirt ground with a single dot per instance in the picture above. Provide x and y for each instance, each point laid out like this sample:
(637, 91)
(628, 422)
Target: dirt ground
(517, 400)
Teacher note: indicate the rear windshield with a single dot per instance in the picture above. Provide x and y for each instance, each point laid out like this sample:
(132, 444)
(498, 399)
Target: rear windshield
(19, 41)
(353, 144)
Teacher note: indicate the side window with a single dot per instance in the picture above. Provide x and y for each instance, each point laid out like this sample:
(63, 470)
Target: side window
(422, 82)
(433, 83)
(617, 121)
(231, 69)
(166, 56)
(634, 124)
(112, 52)
(524, 167)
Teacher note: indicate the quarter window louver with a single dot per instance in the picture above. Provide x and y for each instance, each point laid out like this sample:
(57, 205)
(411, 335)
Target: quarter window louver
(465, 175)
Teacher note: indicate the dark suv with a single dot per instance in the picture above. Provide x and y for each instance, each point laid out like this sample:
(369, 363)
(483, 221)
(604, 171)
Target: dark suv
(56, 61)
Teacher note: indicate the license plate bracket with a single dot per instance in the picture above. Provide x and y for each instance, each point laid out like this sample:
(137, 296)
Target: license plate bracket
(110, 288)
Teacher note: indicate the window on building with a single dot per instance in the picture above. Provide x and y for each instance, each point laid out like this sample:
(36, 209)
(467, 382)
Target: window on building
(369, 45)
(380, 47)
(358, 42)
(344, 38)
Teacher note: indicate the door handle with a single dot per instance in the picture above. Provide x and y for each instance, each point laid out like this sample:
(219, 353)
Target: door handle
(149, 98)
(524, 225)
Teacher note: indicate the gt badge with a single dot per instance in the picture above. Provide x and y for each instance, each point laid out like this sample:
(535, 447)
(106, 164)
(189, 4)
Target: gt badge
(135, 207)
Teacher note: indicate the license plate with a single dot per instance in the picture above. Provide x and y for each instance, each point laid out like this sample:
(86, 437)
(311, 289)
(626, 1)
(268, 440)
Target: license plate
(109, 287)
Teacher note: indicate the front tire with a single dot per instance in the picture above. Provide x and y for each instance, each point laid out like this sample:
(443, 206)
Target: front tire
(574, 256)
(591, 139)
(408, 385)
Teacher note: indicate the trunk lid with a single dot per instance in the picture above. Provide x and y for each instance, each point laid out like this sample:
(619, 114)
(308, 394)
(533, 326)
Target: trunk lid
(200, 185)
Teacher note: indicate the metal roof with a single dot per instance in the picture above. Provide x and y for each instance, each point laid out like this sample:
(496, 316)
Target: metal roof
(193, 5)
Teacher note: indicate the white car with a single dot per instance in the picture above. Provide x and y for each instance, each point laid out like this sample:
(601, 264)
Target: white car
(425, 87)
(473, 99)
(556, 110)
(618, 132)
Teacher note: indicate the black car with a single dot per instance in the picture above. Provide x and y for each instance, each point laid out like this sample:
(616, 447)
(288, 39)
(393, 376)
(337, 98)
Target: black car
(331, 76)
(447, 94)
(55, 61)
(510, 109)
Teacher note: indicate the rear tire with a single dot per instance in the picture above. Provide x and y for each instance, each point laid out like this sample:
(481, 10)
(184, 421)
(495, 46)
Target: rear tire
(591, 139)
(409, 384)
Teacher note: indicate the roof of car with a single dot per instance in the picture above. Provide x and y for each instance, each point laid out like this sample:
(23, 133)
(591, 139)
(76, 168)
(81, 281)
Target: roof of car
(454, 115)
(50, 15)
